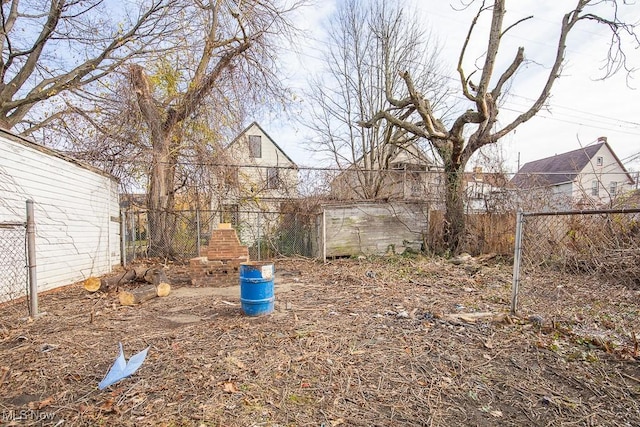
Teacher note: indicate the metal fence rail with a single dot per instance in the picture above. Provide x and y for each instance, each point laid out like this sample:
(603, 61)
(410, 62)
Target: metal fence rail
(13, 261)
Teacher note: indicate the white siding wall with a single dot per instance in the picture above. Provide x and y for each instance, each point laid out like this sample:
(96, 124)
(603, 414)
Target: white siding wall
(610, 171)
(76, 211)
(255, 178)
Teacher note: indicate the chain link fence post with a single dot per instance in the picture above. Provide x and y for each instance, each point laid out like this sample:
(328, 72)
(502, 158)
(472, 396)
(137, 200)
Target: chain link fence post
(31, 260)
(123, 237)
(198, 231)
(517, 256)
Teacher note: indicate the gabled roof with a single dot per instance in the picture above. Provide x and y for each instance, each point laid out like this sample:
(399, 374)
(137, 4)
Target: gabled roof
(561, 168)
(410, 154)
(239, 137)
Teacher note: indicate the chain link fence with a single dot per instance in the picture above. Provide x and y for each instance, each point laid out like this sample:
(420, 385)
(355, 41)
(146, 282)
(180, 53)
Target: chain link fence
(13, 262)
(268, 234)
(580, 267)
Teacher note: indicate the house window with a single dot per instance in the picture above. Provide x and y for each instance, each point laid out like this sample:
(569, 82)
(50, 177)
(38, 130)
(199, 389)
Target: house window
(613, 188)
(255, 146)
(229, 214)
(273, 180)
(599, 161)
(595, 188)
(416, 183)
(231, 177)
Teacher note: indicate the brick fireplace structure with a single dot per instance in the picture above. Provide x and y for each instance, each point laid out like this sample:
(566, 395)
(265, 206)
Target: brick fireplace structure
(221, 263)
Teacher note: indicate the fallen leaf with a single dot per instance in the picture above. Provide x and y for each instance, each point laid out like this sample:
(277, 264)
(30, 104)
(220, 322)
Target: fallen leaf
(488, 344)
(46, 402)
(496, 413)
(107, 405)
(337, 422)
(229, 387)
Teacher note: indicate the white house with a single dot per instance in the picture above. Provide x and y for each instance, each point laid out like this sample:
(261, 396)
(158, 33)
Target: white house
(592, 176)
(486, 191)
(76, 211)
(260, 177)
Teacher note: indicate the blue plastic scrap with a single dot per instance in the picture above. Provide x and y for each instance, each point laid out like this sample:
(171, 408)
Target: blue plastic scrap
(122, 369)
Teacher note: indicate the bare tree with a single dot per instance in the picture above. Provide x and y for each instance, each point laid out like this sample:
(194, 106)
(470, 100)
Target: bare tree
(53, 46)
(457, 141)
(227, 46)
(369, 43)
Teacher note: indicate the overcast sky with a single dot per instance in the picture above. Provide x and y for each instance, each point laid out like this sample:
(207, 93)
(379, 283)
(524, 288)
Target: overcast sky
(582, 107)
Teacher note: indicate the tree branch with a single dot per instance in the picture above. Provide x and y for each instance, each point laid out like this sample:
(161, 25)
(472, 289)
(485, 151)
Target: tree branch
(490, 58)
(464, 82)
(568, 22)
(36, 50)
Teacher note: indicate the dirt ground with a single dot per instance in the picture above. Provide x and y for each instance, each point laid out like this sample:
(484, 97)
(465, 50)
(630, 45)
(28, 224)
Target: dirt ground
(408, 341)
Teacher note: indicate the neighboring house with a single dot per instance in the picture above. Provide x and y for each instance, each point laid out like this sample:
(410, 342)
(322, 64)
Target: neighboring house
(486, 191)
(401, 172)
(260, 177)
(76, 208)
(592, 176)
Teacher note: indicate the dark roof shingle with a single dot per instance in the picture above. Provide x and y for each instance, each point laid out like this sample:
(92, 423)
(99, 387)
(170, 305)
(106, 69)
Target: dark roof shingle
(556, 169)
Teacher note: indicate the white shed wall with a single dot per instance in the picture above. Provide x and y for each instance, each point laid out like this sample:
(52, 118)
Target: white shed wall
(76, 211)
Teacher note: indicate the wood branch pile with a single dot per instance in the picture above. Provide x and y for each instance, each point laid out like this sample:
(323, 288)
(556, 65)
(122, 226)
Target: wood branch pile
(155, 279)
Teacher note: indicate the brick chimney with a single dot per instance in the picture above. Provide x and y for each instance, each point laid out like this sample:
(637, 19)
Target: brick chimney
(225, 245)
(220, 267)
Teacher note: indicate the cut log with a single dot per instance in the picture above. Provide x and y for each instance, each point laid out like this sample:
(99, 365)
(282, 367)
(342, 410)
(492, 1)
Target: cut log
(117, 280)
(154, 275)
(144, 293)
(158, 277)
(163, 289)
(93, 284)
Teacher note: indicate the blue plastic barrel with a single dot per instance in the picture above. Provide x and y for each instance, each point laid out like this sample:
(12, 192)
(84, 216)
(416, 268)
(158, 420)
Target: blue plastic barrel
(256, 288)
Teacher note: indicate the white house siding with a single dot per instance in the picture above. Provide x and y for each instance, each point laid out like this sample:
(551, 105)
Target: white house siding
(76, 210)
(610, 171)
(253, 176)
(258, 206)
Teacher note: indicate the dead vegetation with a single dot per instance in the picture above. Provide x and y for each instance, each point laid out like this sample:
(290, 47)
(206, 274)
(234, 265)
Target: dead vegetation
(355, 343)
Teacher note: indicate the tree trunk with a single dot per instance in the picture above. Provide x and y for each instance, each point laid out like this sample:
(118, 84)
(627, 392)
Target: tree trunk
(160, 199)
(454, 220)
